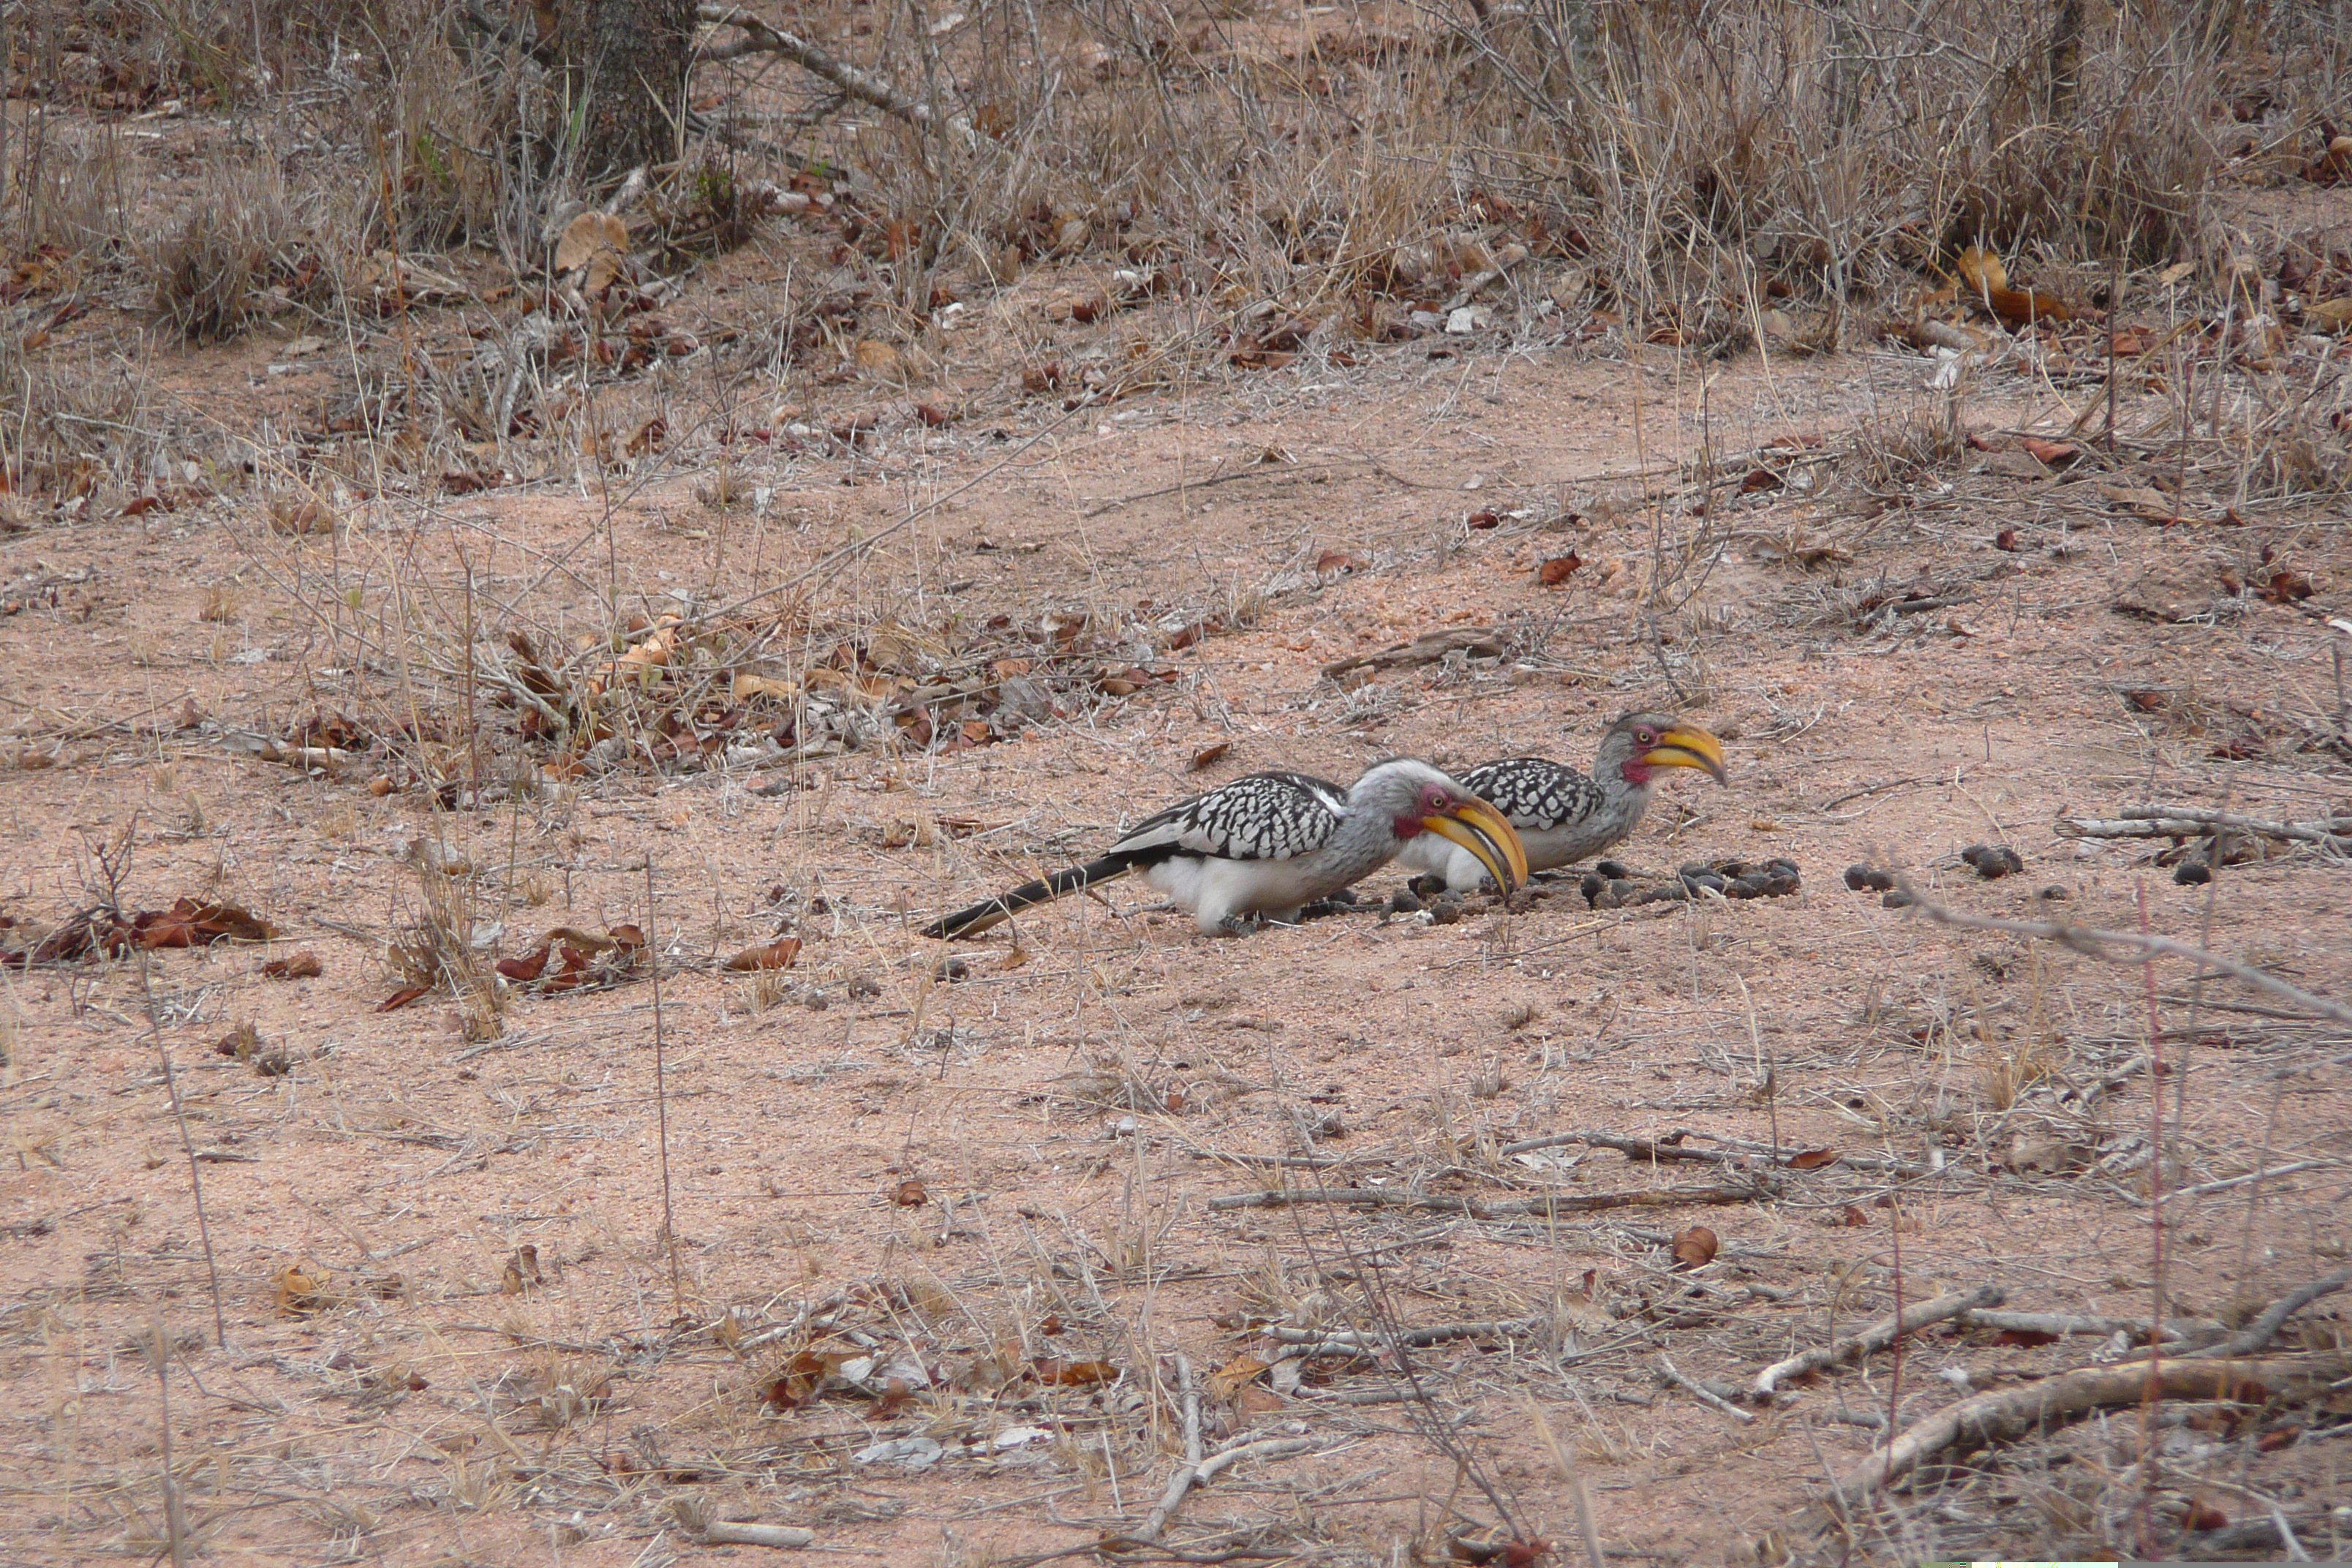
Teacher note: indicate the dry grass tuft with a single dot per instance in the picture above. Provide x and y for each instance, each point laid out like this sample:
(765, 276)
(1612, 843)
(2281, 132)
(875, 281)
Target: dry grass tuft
(446, 948)
(236, 240)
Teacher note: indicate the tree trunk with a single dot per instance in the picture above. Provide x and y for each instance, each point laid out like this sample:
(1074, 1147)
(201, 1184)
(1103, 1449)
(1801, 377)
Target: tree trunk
(2065, 61)
(627, 59)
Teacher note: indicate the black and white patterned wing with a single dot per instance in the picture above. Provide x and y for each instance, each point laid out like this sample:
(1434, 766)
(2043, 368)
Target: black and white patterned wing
(1263, 817)
(1535, 794)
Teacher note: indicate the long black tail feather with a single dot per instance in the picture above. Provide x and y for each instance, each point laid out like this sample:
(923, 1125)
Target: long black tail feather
(991, 913)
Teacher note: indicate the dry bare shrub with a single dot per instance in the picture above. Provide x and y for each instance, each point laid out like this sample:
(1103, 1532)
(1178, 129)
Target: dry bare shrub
(77, 426)
(441, 950)
(1696, 159)
(236, 237)
(73, 192)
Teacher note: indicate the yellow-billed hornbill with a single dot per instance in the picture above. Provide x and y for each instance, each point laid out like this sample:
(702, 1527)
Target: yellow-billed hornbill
(1270, 843)
(1562, 815)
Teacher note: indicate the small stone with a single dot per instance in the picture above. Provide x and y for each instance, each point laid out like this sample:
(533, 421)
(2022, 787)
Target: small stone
(2192, 873)
(1403, 902)
(1469, 319)
(2055, 894)
(1445, 912)
(1896, 899)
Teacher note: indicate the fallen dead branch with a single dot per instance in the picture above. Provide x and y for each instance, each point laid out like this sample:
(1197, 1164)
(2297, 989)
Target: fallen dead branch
(2134, 947)
(1425, 649)
(1876, 1337)
(1632, 1148)
(1199, 1473)
(1256, 470)
(2011, 1413)
(2062, 1325)
(2198, 822)
(2257, 1335)
(1436, 1334)
(1442, 1203)
(788, 1537)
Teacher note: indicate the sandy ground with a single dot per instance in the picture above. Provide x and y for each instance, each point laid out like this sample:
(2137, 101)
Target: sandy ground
(456, 1330)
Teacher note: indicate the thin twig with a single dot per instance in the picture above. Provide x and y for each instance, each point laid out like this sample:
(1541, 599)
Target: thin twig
(2094, 943)
(661, 1090)
(187, 1147)
(1712, 1400)
(1593, 1557)
(1441, 1203)
(175, 1522)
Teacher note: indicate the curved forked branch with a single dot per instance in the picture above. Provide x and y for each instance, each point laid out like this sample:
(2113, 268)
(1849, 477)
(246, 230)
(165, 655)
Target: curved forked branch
(756, 36)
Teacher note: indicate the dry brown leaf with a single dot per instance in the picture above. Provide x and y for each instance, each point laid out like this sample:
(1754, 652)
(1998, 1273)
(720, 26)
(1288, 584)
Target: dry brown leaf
(1053, 1370)
(400, 998)
(526, 968)
(1235, 1375)
(587, 235)
(1694, 1248)
(777, 955)
(909, 1194)
(2142, 501)
(1981, 270)
(303, 1287)
(1813, 1159)
(2329, 315)
(2050, 454)
(748, 687)
(2015, 305)
(1208, 753)
(303, 965)
(240, 1042)
(1558, 569)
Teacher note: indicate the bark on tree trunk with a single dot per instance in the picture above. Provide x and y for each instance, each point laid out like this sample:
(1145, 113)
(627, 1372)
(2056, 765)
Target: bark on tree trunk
(628, 58)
